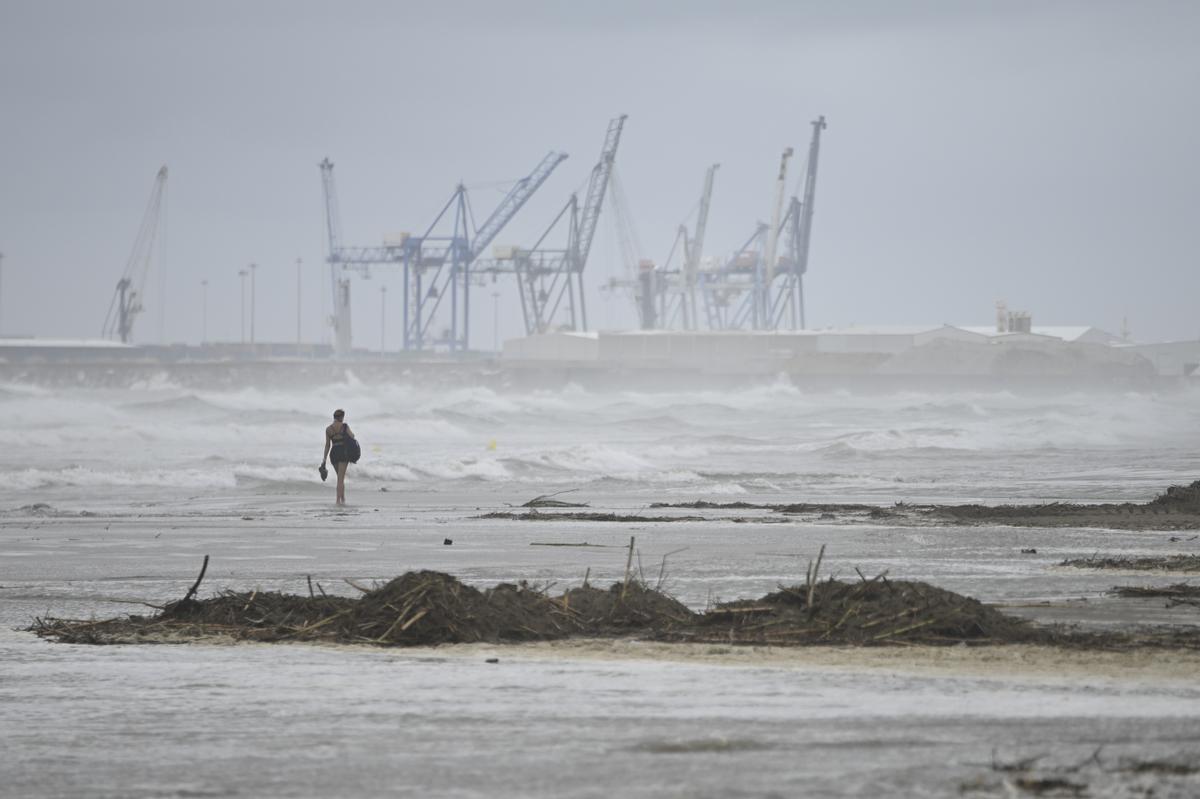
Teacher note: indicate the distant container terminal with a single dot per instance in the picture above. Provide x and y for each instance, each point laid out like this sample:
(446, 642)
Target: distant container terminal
(700, 316)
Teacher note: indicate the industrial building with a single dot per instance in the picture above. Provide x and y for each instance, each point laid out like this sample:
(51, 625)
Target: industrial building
(931, 350)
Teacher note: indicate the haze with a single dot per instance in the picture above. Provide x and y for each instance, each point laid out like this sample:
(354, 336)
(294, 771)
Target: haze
(1040, 153)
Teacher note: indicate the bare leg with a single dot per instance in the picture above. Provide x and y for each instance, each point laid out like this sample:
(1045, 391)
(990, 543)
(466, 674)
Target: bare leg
(341, 485)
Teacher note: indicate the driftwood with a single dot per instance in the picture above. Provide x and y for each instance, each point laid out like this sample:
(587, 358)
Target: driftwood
(548, 501)
(1178, 594)
(534, 516)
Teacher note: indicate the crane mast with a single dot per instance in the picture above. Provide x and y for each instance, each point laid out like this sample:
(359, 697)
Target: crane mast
(694, 250)
(808, 204)
(550, 279)
(339, 285)
(759, 288)
(776, 217)
(127, 300)
(696, 244)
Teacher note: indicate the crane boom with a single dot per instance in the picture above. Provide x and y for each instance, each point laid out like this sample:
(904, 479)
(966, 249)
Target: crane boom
(810, 195)
(127, 301)
(696, 245)
(339, 286)
(776, 218)
(597, 186)
(512, 202)
(333, 223)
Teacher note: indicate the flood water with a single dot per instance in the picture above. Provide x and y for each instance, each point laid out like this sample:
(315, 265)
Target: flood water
(122, 493)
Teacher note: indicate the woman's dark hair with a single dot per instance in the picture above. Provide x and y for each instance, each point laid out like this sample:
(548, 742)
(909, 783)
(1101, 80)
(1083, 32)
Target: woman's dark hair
(339, 413)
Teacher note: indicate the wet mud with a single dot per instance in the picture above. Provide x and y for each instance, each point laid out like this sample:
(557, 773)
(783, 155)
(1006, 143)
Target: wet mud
(1166, 563)
(1178, 508)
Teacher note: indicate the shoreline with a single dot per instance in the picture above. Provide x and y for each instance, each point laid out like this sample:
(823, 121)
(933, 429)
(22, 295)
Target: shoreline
(993, 660)
(1008, 661)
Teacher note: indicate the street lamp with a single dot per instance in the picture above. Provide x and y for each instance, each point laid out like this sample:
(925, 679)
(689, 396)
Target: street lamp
(382, 315)
(496, 321)
(252, 268)
(298, 262)
(1, 294)
(204, 312)
(242, 274)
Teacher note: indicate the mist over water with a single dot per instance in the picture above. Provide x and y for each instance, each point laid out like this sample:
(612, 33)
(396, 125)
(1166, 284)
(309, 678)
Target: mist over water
(164, 443)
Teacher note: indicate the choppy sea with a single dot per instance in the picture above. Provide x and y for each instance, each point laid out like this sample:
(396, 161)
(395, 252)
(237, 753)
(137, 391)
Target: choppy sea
(163, 443)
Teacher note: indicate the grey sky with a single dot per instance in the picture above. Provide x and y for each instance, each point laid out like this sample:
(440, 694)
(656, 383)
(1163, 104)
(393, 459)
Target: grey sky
(1043, 153)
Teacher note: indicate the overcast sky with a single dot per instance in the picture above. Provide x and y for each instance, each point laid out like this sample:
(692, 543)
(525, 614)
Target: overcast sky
(1044, 153)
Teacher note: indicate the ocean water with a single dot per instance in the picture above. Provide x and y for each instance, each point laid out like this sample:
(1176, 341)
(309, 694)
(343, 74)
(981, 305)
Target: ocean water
(160, 443)
(113, 496)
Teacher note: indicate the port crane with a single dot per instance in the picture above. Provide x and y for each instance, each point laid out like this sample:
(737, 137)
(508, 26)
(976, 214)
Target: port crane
(550, 280)
(665, 296)
(126, 303)
(758, 287)
(677, 288)
(793, 264)
(339, 320)
(436, 266)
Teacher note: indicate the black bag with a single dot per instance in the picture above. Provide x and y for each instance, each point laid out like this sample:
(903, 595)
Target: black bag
(353, 450)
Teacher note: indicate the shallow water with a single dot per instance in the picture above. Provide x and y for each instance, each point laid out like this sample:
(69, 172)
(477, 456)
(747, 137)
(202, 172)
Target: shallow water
(140, 484)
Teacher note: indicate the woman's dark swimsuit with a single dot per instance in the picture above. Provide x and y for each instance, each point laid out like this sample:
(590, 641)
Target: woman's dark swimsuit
(337, 452)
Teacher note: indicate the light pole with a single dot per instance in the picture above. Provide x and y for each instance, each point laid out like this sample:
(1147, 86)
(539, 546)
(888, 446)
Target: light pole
(242, 274)
(252, 268)
(1, 293)
(298, 262)
(382, 315)
(496, 321)
(203, 311)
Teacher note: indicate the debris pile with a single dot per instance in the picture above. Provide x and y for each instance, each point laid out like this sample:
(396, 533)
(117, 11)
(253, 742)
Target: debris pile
(875, 611)
(425, 608)
(433, 608)
(1180, 498)
(627, 607)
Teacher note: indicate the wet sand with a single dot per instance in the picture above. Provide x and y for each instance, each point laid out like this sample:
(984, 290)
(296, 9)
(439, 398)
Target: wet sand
(1013, 661)
(572, 718)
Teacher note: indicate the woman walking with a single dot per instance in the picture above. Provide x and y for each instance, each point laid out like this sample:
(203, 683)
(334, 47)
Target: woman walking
(337, 452)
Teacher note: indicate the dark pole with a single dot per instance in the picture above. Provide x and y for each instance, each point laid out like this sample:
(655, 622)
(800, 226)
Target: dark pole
(496, 321)
(242, 274)
(298, 262)
(382, 316)
(252, 268)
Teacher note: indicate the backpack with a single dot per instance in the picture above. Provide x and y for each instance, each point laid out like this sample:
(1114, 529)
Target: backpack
(353, 450)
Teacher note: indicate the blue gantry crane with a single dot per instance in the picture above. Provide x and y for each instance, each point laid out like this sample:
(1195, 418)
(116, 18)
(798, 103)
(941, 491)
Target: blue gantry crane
(436, 265)
(549, 279)
(759, 288)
